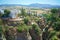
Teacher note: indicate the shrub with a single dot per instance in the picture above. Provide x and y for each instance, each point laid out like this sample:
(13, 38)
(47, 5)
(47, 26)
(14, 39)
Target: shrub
(57, 26)
(0, 28)
(1, 22)
(54, 38)
(36, 28)
(22, 28)
(26, 20)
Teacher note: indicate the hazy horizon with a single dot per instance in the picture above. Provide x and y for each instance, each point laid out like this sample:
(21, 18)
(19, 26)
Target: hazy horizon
(27, 2)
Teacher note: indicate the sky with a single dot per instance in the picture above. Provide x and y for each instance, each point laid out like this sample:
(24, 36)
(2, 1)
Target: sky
(27, 2)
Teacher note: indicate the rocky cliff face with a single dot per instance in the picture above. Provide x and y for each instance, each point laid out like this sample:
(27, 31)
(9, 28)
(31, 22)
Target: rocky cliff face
(13, 34)
(22, 36)
(34, 35)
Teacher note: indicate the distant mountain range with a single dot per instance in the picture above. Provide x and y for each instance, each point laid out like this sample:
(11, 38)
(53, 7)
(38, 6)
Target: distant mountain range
(34, 5)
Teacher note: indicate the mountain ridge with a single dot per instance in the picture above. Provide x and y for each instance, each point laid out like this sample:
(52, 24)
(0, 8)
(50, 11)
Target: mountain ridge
(34, 5)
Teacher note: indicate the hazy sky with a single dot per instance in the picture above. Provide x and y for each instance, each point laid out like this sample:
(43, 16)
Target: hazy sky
(26, 2)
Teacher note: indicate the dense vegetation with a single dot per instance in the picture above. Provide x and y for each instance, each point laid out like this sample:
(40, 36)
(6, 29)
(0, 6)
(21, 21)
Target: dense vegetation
(46, 27)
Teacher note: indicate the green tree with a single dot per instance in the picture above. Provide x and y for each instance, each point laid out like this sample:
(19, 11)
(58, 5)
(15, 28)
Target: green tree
(6, 13)
(1, 15)
(23, 13)
(54, 10)
(36, 28)
(22, 28)
(26, 20)
(1, 22)
(0, 28)
(55, 19)
(52, 20)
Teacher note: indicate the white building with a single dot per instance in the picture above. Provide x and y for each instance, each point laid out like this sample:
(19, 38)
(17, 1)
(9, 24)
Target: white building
(1, 11)
(13, 13)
